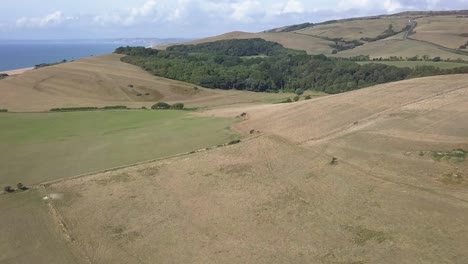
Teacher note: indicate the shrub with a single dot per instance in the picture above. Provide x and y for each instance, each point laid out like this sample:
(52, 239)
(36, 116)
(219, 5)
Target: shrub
(287, 101)
(3, 110)
(334, 51)
(195, 88)
(177, 106)
(144, 107)
(299, 91)
(130, 85)
(161, 105)
(3, 75)
(436, 59)
(308, 97)
(70, 109)
(296, 98)
(114, 107)
(21, 187)
(237, 141)
(8, 189)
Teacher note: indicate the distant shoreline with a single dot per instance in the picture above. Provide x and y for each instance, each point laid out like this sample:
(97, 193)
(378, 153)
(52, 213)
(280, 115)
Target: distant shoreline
(17, 71)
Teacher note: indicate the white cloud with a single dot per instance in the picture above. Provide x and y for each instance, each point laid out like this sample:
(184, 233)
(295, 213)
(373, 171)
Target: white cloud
(392, 5)
(245, 10)
(293, 6)
(54, 19)
(147, 9)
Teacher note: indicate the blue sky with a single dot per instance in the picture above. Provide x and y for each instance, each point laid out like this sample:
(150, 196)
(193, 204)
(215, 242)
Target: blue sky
(61, 19)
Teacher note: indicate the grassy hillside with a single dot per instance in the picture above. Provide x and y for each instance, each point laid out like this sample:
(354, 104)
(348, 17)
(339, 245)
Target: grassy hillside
(47, 146)
(357, 29)
(447, 31)
(404, 48)
(414, 64)
(278, 197)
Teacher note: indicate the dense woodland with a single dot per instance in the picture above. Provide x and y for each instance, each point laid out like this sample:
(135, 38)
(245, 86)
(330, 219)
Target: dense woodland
(264, 66)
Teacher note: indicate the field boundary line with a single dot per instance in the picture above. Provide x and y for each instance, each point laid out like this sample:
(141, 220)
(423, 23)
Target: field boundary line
(83, 175)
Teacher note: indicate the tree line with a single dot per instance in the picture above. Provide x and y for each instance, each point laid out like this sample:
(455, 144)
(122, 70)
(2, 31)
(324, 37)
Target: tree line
(263, 66)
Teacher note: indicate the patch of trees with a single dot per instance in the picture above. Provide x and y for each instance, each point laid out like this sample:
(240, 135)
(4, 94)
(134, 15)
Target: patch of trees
(3, 110)
(165, 106)
(284, 69)
(89, 108)
(3, 75)
(232, 47)
(19, 187)
(341, 44)
(297, 27)
(49, 64)
(387, 33)
(136, 51)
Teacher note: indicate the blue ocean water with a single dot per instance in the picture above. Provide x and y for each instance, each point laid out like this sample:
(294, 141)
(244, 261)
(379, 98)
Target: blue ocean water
(23, 54)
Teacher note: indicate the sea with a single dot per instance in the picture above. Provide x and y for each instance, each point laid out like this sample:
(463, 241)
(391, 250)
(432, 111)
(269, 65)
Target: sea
(18, 54)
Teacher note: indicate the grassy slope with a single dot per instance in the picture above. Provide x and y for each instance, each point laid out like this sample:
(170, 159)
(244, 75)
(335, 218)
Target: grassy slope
(414, 64)
(355, 30)
(442, 30)
(277, 199)
(404, 48)
(30, 234)
(44, 147)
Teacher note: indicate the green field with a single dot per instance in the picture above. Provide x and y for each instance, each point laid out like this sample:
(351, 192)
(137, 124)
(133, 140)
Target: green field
(30, 234)
(414, 64)
(38, 147)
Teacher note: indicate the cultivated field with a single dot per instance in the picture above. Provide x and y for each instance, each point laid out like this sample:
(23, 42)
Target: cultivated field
(357, 29)
(403, 48)
(39, 147)
(447, 31)
(414, 64)
(391, 195)
(105, 80)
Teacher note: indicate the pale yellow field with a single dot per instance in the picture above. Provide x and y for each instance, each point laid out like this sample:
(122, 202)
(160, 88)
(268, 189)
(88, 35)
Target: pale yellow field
(403, 48)
(357, 29)
(275, 198)
(288, 39)
(447, 31)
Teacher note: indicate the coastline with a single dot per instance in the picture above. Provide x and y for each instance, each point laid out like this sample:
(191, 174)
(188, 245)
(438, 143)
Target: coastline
(17, 71)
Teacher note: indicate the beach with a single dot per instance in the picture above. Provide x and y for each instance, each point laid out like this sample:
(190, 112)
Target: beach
(17, 71)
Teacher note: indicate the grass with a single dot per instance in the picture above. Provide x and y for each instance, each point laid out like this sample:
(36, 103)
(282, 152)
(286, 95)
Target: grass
(414, 64)
(48, 146)
(29, 234)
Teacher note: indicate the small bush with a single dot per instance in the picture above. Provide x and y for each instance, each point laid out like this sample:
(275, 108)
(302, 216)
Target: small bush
(237, 141)
(70, 109)
(144, 107)
(436, 59)
(139, 94)
(195, 88)
(130, 86)
(114, 107)
(161, 105)
(296, 98)
(3, 110)
(8, 189)
(177, 106)
(21, 187)
(287, 101)
(334, 51)
(299, 91)
(3, 75)
(308, 97)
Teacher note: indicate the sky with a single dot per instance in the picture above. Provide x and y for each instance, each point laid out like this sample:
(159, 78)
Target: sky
(94, 19)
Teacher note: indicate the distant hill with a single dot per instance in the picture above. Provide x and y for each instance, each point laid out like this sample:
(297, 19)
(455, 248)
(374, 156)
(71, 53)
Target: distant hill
(441, 34)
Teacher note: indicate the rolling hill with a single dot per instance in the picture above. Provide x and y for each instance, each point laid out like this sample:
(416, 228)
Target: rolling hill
(436, 34)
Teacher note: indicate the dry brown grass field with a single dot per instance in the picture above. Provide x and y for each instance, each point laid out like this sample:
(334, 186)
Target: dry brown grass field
(277, 198)
(447, 31)
(398, 47)
(105, 80)
(290, 40)
(357, 29)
